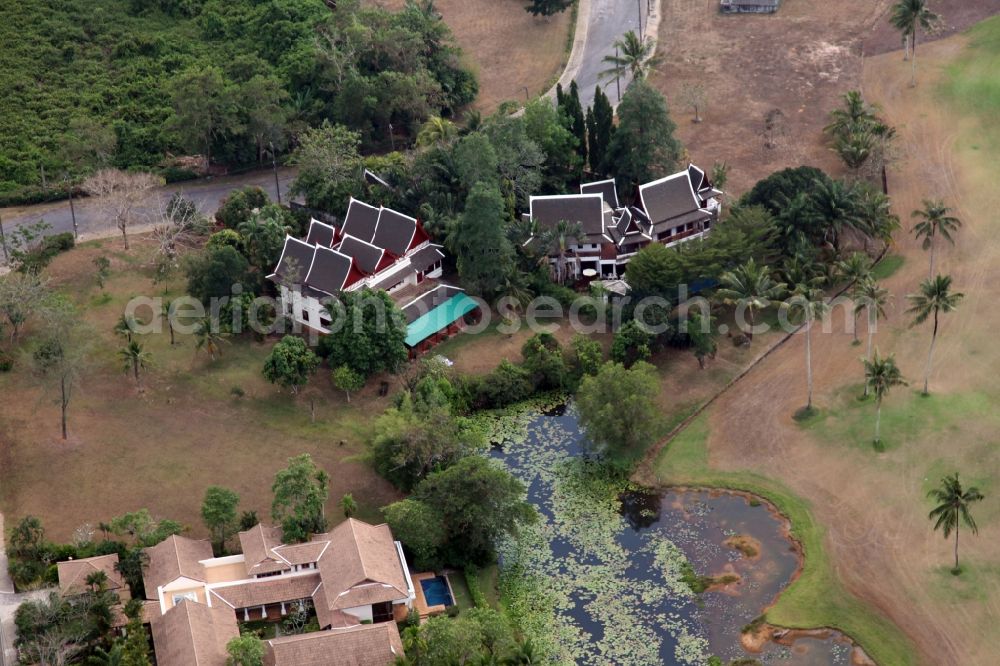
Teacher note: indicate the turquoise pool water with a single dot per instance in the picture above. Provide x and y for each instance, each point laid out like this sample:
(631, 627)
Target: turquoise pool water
(436, 591)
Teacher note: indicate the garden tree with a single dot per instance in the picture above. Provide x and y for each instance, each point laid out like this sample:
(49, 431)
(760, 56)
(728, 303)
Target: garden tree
(855, 116)
(62, 352)
(479, 502)
(436, 130)
(239, 206)
(699, 331)
(120, 195)
(300, 494)
(836, 203)
(855, 270)
(134, 358)
(909, 16)
(631, 343)
(546, 127)
(484, 255)
(348, 505)
(935, 220)
(477, 636)
(21, 295)
(749, 287)
(102, 266)
(953, 509)
(543, 358)
(507, 384)
(245, 650)
(781, 187)
(420, 436)
(620, 435)
(871, 298)
(330, 167)
(110, 657)
(264, 102)
(881, 375)
(587, 355)
(372, 337)
(475, 161)
(131, 564)
(205, 108)
(180, 225)
(807, 304)
(855, 149)
(291, 363)
(643, 147)
(142, 528)
(214, 272)
(694, 96)
(207, 336)
(720, 174)
(599, 140)
(420, 528)
(55, 630)
(126, 326)
(27, 538)
(935, 297)
(547, 7)
(248, 519)
(573, 109)
(557, 240)
(218, 512)
(135, 650)
(347, 380)
(168, 313)
(633, 57)
(519, 159)
(263, 237)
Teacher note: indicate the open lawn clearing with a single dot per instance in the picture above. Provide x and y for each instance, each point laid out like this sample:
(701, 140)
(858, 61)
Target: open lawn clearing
(872, 507)
(160, 449)
(508, 48)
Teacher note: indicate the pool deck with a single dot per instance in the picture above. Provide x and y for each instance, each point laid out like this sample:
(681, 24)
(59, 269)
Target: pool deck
(420, 603)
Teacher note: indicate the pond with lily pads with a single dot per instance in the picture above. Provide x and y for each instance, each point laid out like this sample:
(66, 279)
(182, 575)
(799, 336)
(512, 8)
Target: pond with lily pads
(605, 575)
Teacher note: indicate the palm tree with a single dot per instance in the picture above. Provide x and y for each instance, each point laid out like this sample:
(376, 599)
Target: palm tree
(436, 130)
(524, 655)
(855, 270)
(808, 304)
(907, 16)
(934, 220)
(126, 326)
(114, 656)
(838, 204)
(749, 286)
(207, 337)
(348, 505)
(877, 219)
(97, 581)
(633, 55)
(557, 239)
(134, 358)
(869, 296)
(934, 298)
(855, 116)
(881, 374)
(953, 509)
(854, 149)
(168, 316)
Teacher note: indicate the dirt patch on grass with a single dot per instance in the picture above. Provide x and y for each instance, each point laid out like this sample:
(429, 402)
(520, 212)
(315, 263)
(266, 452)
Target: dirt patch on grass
(509, 48)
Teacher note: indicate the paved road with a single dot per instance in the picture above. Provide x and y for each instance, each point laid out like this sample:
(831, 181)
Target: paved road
(608, 21)
(207, 193)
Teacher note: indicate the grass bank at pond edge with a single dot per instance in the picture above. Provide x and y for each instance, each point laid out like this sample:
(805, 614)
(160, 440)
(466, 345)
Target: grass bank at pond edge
(816, 598)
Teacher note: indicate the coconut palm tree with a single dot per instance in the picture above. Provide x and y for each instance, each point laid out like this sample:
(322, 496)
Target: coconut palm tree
(881, 374)
(207, 337)
(878, 222)
(436, 130)
(126, 326)
(749, 286)
(348, 505)
(934, 220)
(134, 358)
(934, 298)
(953, 509)
(908, 16)
(634, 56)
(855, 270)
(524, 654)
(168, 316)
(808, 304)
(870, 297)
(855, 148)
(838, 204)
(97, 581)
(854, 117)
(557, 239)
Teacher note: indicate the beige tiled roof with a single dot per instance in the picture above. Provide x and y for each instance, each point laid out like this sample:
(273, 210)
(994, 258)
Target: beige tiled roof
(302, 553)
(364, 645)
(359, 554)
(266, 591)
(257, 544)
(193, 634)
(328, 617)
(172, 558)
(150, 611)
(73, 574)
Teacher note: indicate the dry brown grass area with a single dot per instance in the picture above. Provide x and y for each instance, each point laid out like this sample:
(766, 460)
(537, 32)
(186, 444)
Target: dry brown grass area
(509, 48)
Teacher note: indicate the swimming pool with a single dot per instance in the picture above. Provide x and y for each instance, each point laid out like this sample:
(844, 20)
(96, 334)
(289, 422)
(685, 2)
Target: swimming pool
(436, 591)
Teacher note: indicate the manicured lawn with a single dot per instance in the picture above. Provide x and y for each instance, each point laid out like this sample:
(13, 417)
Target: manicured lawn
(889, 265)
(460, 590)
(972, 83)
(816, 598)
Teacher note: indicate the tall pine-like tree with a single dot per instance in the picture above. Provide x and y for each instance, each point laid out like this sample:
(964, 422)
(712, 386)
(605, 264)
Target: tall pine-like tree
(575, 112)
(604, 130)
(593, 150)
(485, 256)
(547, 7)
(643, 147)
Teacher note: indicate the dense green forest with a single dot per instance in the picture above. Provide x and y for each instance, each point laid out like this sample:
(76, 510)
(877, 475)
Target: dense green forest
(129, 82)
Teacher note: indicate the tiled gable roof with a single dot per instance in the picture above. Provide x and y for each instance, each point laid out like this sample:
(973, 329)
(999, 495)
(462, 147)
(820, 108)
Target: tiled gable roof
(266, 591)
(361, 220)
(394, 232)
(361, 555)
(296, 257)
(585, 209)
(364, 645)
(173, 558)
(606, 188)
(256, 544)
(669, 197)
(73, 573)
(320, 233)
(193, 634)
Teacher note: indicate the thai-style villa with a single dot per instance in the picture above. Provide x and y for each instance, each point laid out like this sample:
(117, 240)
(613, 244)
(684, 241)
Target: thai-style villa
(355, 578)
(374, 248)
(671, 210)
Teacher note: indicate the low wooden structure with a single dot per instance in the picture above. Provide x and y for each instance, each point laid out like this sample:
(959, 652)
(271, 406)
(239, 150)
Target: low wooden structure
(749, 6)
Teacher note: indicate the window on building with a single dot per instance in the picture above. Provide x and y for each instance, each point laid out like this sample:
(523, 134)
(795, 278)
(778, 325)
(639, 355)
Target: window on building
(180, 596)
